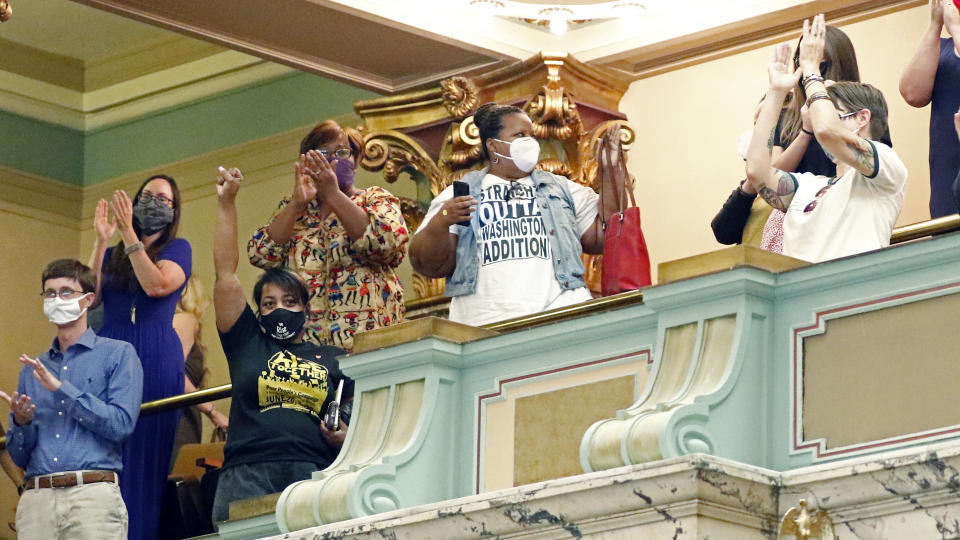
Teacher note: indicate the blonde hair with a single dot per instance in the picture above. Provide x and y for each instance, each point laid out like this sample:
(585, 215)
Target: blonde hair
(195, 301)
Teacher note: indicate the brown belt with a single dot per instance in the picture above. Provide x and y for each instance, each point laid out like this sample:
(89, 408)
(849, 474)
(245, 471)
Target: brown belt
(69, 479)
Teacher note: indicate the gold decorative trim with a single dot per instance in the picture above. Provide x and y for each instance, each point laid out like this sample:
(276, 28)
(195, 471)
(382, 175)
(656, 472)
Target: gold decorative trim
(925, 228)
(725, 259)
(395, 153)
(418, 329)
(460, 96)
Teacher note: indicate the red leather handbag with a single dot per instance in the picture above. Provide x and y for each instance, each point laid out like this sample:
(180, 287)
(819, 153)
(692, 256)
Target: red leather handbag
(626, 262)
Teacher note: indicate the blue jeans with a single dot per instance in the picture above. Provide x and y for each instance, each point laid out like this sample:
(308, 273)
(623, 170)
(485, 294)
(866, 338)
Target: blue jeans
(249, 480)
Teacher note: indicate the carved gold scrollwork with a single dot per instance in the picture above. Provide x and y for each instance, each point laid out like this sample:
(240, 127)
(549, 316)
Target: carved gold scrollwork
(394, 153)
(6, 10)
(587, 147)
(555, 166)
(554, 114)
(464, 149)
(460, 96)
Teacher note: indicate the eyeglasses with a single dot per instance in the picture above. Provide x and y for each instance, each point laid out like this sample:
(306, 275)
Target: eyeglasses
(339, 153)
(816, 198)
(846, 114)
(159, 197)
(64, 294)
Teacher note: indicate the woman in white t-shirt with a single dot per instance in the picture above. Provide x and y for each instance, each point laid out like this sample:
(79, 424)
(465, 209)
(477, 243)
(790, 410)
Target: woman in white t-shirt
(518, 248)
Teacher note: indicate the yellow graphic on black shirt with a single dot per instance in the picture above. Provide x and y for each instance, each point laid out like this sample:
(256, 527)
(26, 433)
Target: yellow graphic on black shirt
(293, 383)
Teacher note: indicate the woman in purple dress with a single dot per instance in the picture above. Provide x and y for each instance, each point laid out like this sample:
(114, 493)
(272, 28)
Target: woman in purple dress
(140, 281)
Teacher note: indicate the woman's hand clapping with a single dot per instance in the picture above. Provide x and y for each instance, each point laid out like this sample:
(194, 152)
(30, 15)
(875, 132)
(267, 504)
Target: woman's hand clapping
(322, 173)
(104, 224)
(122, 208)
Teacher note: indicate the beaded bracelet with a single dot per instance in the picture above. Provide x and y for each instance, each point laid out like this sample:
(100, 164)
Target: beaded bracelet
(811, 78)
(816, 96)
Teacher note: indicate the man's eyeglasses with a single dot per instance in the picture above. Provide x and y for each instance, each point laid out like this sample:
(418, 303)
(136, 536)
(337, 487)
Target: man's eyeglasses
(846, 114)
(64, 294)
(339, 153)
(159, 197)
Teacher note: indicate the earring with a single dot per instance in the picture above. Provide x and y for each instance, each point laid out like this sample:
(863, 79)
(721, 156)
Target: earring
(495, 160)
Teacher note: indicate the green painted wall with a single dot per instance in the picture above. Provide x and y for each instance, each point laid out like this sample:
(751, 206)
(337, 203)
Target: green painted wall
(224, 120)
(191, 129)
(40, 148)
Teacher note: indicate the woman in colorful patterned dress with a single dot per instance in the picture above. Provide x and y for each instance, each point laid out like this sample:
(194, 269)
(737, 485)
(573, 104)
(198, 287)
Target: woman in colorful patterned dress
(344, 242)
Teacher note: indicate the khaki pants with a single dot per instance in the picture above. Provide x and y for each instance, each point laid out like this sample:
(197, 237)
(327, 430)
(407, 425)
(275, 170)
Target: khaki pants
(91, 511)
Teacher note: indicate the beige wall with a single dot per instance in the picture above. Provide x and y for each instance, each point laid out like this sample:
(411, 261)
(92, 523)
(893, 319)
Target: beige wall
(35, 231)
(688, 121)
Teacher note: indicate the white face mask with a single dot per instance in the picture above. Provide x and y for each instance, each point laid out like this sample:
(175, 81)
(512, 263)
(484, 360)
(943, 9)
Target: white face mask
(524, 153)
(61, 311)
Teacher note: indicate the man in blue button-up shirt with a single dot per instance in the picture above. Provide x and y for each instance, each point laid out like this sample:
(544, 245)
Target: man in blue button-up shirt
(73, 408)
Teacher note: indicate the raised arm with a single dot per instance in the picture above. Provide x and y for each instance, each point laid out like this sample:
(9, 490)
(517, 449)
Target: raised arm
(787, 159)
(834, 136)
(916, 82)
(104, 225)
(614, 180)
(775, 186)
(228, 300)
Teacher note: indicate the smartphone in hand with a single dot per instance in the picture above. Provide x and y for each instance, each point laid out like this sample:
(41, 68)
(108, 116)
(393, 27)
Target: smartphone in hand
(461, 189)
(332, 418)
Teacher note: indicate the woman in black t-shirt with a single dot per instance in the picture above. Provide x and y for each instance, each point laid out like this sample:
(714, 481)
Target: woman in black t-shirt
(282, 385)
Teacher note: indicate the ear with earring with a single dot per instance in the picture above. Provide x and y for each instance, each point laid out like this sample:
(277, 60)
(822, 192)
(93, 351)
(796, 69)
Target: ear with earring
(495, 159)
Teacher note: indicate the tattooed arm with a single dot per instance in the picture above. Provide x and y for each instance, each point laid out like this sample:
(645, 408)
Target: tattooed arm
(836, 136)
(775, 186)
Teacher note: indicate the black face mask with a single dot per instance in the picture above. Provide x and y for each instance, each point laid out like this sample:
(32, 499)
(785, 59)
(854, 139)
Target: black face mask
(282, 324)
(152, 216)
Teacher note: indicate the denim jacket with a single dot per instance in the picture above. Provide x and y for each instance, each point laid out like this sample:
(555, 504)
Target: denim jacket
(559, 220)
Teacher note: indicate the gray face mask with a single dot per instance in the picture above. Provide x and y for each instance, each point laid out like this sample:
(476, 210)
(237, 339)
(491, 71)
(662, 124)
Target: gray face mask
(152, 216)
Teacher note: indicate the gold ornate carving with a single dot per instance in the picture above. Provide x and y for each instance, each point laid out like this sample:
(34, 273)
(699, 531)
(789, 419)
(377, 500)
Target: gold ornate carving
(803, 525)
(460, 96)
(6, 11)
(394, 153)
(442, 118)
(554, 113)
(464, 148)
(589, 143)
(555, 166)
